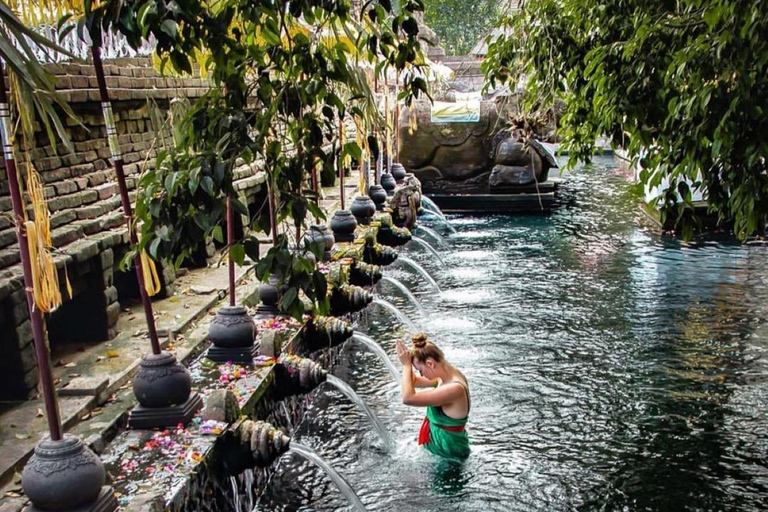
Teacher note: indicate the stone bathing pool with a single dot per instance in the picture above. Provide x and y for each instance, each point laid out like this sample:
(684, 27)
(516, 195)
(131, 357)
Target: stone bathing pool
(610, 369)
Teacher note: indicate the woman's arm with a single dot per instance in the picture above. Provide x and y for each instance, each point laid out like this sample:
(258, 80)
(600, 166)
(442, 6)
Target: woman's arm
(423, 382)
(443, 395)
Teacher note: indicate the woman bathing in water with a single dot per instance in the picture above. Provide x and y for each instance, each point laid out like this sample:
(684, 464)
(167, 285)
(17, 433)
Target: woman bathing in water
(443, 430)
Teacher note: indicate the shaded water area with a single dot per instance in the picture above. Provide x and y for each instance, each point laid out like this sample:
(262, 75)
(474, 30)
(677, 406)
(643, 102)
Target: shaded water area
(610, 369)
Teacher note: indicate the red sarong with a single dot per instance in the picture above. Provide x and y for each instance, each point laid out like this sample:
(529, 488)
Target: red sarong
(424, 431)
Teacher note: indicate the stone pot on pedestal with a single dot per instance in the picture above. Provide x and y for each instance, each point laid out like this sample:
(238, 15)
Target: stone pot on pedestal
(163, 388)
(343, 225)
(320, 234)
(398, 172)
(363, 209)
(378, 195)
(388, 183)
(269, 296)
(232, 333)
(66, 475)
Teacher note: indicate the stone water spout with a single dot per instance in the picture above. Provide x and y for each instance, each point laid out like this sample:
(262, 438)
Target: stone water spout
(349, 298)
(378, 254)
(250, 444)
(364, 274)
(325, 332)
(297, 375)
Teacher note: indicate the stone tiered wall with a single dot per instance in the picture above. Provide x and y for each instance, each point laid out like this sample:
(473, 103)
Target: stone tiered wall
(87, 222)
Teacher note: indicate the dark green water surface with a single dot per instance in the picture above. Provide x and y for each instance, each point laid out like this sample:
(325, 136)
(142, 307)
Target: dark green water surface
(610, 369)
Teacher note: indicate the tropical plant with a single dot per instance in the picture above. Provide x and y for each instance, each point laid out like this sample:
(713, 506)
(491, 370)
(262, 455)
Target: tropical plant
(32, 86)
(285, 76)
(681, 85)
(460, 24)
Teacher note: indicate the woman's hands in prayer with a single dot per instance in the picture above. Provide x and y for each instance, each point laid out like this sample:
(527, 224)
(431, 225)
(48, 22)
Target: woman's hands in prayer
(403, 354)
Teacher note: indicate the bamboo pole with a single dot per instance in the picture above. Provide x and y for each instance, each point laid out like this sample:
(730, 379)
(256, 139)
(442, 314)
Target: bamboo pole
(117, 162)
(230, 244)
(35, 317)
(341, 161)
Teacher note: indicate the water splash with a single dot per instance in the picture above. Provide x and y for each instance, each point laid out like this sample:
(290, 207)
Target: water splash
(249, 481)
(376, 349)
(400, 286)
(347, 391)
(443, 220)
(423, 243)
(335, 476)
(431, 232)
(418, 268)
(399, 314)
(431, 206)
(236, 504)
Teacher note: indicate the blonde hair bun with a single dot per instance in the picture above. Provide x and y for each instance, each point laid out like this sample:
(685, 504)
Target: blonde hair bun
(419, 340)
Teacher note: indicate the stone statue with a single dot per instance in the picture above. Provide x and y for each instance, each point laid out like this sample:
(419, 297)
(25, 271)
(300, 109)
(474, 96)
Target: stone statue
(406, 202)
(484, 157)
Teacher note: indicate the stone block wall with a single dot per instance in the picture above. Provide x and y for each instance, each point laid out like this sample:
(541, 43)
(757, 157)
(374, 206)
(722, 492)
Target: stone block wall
(87, 222)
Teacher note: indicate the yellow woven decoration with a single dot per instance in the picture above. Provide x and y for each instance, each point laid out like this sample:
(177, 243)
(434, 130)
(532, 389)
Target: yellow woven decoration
(149, 270)
(45, 279)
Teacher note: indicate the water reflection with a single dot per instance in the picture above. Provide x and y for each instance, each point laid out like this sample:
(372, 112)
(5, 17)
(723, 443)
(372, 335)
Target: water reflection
(612, 369)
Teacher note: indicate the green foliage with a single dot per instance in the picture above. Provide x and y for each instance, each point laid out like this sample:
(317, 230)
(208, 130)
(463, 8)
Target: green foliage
(296, 274)
(285, 75)
(681, 85)
(461, 23)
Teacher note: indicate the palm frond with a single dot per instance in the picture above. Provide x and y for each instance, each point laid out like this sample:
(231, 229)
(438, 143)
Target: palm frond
(33, 86)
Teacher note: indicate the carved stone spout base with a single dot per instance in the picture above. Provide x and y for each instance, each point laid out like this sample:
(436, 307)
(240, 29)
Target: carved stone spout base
(238, 355)
(106, 502)
(142, 417)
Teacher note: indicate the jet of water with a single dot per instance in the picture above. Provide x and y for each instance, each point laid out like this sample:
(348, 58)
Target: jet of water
(431, 232)
(347, 391)
(335, 476)
(376, 349)
(400, 286)
(423, 243)
(418, 268)
(443, 220)
(399, 314)
(431, 206)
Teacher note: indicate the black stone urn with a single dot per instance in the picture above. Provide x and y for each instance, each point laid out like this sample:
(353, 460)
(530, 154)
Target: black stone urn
(378, 195)
(314, 240)
(343, 225)
(161, 381)
(364, 274)
(320, 234)
(63, 475)
(389, 184)
(269, 295)
(349, 298)
(398, 172)
(363, 209)
(232, 333)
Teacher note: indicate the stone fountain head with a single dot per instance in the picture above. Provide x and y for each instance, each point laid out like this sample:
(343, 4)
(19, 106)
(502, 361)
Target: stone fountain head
(266, 442)
(364, 274)
(349, 298)
(378, 254)
(324, 332)
(301, 376)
